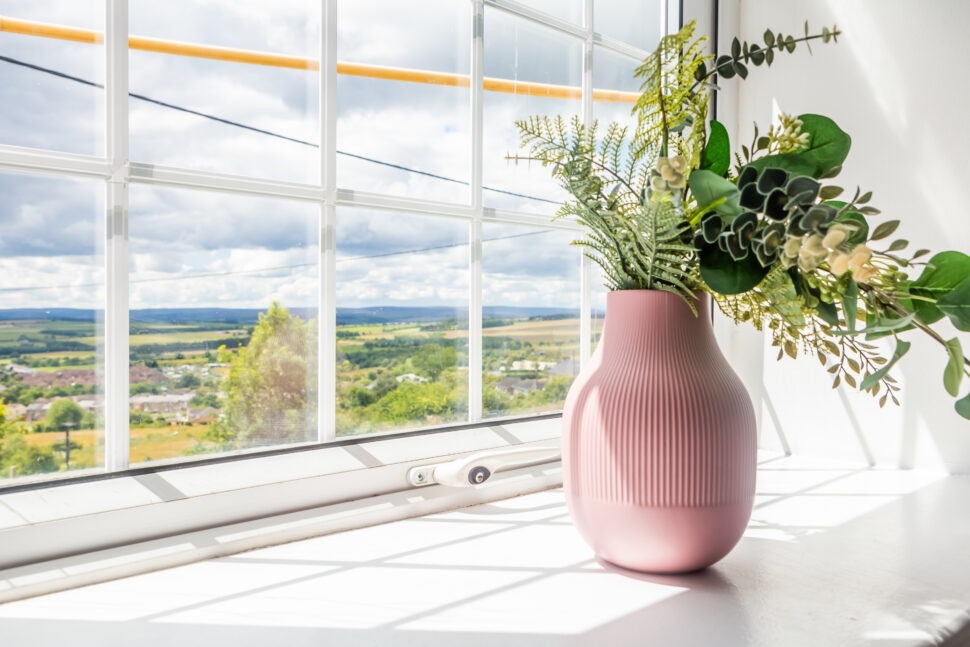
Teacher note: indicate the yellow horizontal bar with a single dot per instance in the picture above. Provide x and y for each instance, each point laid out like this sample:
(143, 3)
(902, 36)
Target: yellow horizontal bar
(161, 46)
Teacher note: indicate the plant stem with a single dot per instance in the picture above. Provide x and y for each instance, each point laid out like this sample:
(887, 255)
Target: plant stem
(774, 45)
(899, 309)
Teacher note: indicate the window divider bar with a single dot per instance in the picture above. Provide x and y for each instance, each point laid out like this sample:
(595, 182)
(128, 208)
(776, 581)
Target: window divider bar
(585, 289)
(475, 278)
(116, 303)
(327, 277)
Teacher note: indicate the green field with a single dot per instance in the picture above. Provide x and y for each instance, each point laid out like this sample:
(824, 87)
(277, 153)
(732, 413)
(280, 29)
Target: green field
(389, 376)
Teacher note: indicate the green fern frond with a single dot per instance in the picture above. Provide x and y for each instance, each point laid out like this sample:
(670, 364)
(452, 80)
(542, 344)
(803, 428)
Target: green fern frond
(671, 111)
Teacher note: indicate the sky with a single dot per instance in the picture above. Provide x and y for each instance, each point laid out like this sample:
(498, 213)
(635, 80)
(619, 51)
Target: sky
(251, 251)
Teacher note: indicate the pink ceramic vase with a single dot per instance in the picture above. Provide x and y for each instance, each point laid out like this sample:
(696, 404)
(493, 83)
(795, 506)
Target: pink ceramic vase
(659, 440)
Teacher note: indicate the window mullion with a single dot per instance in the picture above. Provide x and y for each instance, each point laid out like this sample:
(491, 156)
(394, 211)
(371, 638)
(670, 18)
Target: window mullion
(585, 298)
(475, 227)
(116, 246)
(327, 284)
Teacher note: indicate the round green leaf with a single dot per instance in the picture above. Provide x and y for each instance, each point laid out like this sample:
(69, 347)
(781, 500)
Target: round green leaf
(725, 275)
(828, 146)
(716, 156)
(945, 272)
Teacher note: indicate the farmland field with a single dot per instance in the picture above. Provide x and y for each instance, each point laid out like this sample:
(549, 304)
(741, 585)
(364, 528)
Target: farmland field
(194, 392)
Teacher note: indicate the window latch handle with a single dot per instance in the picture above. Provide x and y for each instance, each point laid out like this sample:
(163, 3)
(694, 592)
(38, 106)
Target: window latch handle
(477, 468)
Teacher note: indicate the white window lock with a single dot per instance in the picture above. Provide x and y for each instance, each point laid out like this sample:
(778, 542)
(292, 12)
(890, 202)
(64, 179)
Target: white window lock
(477, 468)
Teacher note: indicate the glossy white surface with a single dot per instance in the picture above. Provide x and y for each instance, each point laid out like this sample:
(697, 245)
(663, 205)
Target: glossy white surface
(835, 555)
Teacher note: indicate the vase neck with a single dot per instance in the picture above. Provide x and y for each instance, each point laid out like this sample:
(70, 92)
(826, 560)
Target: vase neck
(635, 314)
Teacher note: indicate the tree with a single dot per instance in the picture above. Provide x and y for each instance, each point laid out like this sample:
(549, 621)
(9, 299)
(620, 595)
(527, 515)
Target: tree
(188, 381)
(431, 360)
(267, 390)
(65, 415)
(26, 459)
(413, 402)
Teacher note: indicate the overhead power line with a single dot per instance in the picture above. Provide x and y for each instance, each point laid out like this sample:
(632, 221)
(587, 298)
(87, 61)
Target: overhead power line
(261, 270)
(262, 131)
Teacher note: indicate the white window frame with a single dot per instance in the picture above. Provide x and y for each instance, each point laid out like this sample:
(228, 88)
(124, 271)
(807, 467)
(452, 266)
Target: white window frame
(270, 480)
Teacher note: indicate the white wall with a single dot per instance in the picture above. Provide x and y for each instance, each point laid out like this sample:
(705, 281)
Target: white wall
(897, 83)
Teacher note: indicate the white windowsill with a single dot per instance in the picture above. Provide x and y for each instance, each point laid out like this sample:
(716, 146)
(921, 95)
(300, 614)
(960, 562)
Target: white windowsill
(43, 524)
(835, 554)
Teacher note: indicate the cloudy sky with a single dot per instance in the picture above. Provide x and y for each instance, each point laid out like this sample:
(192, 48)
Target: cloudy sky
(250, 251)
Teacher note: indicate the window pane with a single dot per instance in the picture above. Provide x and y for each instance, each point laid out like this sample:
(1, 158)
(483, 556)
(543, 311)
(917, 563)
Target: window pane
(395, 132)
(51, 324)
(39, 108)
(530, 319)
(223, 322)
(571, 10)
(598, 294)
(521, 51)
(636, 22)
(233, 98)
(614, 72)
(402, 321)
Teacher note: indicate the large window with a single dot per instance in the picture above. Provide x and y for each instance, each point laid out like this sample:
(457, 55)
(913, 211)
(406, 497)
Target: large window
(231, 224)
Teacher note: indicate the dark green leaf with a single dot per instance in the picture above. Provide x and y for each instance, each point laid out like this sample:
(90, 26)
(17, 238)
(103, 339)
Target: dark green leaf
(869, 211)
(757, 55)
(709, 188)
(953, 373)
(724, 275)
(920, 252)
(864, 198)
(880, 325)
(901, 348)
(884, 230)
(829, 192)
(769, 38)
(741, 69)
(769, 56)
(828, 313)
(701, 71)
(725, 66)
(790, 44)
(850, 304)
(716, 156)
(735, 48)
(898, 244)
(955, 304)
(944, 272)
(962, 406)
(828, 146)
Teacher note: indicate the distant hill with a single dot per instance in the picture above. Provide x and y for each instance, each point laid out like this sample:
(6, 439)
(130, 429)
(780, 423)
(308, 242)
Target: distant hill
(375, 314)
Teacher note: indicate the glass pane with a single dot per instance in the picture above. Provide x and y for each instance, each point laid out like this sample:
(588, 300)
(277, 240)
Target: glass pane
(223, 322)
(636, 22)
(616, 89)
(522, 52)
(571, 10)
(223, 115)
(402, 321)
(530, 319)
(598, 294)
(51, 92)
(51, 325)
(399, 132)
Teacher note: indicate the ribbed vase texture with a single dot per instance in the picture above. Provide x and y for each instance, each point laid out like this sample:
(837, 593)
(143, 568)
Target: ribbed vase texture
(659, 440)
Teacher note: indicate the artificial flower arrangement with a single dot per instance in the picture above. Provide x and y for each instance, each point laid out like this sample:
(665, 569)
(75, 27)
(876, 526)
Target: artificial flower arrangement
(763, 231)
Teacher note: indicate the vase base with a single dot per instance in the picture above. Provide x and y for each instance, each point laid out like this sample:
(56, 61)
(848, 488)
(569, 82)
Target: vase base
(660, 540)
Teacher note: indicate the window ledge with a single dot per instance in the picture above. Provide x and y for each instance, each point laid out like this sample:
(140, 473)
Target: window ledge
(122, 510)
(835, 554)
